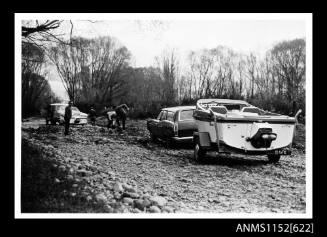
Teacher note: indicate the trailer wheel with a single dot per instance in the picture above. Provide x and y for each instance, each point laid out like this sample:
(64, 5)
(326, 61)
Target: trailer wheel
(273, 158)
(199, 153)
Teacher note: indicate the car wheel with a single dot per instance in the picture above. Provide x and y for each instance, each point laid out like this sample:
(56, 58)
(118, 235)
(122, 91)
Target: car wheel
(273, 158)
(199, 153)
(169, 142)
(53, 122)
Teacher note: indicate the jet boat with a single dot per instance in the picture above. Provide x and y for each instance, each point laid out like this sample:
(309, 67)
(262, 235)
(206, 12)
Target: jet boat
(228, 126)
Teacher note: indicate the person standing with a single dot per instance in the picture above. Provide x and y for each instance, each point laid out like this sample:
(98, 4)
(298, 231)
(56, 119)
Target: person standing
(92, 115)
(111, 115)
(121, 112)
(68, 116)
(48, 115)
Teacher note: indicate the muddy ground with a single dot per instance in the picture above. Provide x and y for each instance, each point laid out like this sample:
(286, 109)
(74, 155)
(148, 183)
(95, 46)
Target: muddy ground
(93, 170)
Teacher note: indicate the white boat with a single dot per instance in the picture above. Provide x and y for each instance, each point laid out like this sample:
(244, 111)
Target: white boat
(228, 126)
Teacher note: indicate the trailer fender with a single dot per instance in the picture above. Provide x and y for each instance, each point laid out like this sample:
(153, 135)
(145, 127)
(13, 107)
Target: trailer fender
(203, 137)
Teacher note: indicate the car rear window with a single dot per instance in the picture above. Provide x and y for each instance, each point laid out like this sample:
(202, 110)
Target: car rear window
(164, 115)
(170, 116)
(159, 116)
(186, 115)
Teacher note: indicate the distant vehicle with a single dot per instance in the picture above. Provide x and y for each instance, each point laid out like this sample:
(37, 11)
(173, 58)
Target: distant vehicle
(235, 126)
(174, 124)
(58, 113)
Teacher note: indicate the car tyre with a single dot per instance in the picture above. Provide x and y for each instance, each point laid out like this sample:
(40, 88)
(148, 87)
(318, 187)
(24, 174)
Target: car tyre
(169, 143)
(273, 158)
(199, 152)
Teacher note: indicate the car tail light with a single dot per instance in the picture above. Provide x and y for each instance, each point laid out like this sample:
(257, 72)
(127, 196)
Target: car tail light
(176, 129)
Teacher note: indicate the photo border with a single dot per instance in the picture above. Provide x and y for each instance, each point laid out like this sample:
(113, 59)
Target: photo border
(166, 16)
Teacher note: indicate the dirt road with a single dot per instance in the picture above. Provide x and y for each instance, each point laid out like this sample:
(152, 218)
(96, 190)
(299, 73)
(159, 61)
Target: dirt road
(123, 171)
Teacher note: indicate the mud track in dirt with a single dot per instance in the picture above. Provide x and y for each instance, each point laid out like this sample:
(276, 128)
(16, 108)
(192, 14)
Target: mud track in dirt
(221, 185)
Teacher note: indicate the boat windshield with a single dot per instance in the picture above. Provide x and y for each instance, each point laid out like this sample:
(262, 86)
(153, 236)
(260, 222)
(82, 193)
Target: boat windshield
(233, 106)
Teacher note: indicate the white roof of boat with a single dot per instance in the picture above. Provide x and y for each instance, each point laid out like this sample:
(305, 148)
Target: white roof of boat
(223, 101)
(59, 104)
(176, 108)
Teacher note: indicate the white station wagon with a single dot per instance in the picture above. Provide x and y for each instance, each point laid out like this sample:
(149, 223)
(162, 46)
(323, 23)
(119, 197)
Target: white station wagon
(58, 113)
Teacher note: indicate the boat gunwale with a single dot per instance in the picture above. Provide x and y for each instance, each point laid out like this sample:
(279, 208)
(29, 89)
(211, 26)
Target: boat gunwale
(248, 120)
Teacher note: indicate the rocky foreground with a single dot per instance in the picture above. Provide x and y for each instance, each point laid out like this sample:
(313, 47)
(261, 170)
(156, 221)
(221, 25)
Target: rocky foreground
(93, 170)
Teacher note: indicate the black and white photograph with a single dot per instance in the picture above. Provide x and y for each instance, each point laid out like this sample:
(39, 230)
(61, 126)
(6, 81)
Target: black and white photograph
(163, 115)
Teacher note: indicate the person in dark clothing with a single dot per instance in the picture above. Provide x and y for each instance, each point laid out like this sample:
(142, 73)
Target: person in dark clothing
(92, 116)
(68, 116)
(121, 112)
(48, 115)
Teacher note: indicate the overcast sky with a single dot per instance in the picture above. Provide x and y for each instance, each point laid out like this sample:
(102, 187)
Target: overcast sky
(148, 39)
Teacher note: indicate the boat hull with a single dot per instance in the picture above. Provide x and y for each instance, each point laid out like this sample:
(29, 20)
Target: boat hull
(235, 134)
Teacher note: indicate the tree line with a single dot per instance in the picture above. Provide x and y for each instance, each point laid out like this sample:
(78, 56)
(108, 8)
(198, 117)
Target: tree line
(274, 82)
(36, 91)
(98, 72)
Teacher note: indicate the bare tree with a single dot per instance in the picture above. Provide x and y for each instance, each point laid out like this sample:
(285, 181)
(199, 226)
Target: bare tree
(192, 76)
(168, 64)
(91, 69)
(35, 88)
(67, 59)
(41, 33)
(214, 72)
(289, 64)
(241, 63)
(251, 72)
(201, 68)
(40, 28)
(106, 61)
